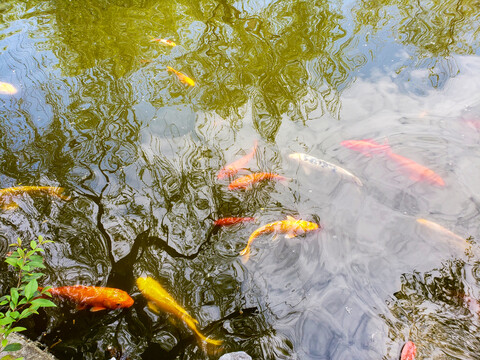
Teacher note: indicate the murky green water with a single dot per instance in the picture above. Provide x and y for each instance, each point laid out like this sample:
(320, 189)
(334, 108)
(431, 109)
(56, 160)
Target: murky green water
(98, 114)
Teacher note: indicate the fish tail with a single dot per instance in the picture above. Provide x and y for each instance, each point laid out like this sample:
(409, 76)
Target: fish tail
(245, 253)
(169, 68)
(192, 324)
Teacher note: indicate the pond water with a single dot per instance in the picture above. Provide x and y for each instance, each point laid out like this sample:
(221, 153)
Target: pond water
(138, 151)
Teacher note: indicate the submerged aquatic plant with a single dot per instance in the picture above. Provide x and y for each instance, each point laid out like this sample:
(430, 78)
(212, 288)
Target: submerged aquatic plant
(25, 298)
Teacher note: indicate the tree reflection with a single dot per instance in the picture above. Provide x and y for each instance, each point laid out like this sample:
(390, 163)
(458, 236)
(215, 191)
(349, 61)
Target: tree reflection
(439, 310)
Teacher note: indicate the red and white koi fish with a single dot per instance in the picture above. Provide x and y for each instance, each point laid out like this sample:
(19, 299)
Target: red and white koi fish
(291, 227)
(409, 351)
(415, 171)
(95, 297)
(232, 221)
(182, 77)
(247, 181)
(165, 42)
(232, 169)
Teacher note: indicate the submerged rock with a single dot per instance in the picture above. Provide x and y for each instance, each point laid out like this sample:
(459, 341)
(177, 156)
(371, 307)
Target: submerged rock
(239, 355)
(29, 351)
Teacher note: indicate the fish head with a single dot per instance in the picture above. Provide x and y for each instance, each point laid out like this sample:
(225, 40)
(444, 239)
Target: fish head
(118, 299)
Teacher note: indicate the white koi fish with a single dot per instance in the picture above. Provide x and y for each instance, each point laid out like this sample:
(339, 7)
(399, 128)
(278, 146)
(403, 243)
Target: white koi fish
(322, 164)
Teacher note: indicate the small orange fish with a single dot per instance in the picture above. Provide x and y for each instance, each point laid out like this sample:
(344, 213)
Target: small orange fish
(97, 298)
(291, 227)
(7, 89)
(159, 299)
(165, 42)
(232, 169)
(8, 194)
(409, 351)
(247, 181)
(232, 221)
(182, 77)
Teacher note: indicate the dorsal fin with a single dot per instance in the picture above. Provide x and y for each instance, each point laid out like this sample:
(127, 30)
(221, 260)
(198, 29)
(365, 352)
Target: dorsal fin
(290, 218)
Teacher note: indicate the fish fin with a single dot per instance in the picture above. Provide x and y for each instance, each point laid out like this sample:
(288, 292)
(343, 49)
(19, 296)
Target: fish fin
(291, 218)
(275, 237)
(153, 307)
(81, 307)
(97, 308)
(290, 235)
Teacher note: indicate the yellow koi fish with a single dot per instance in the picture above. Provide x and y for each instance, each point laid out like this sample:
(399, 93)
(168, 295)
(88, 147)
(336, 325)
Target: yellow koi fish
(8, 194)
(182, 77)
(159, 299)
(165, 42)
(291, 227)
(7, 89)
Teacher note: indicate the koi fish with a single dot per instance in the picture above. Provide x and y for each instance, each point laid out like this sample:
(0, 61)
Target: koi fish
(322, 164)
(247, 181)
(97, 298)
(366, 147)
(232, 221)
(182, 77)
(159, 299)
(7, 194)
(409, 351)
(416, 171)
(165, 42)
(291, 227)
(439, 228)
(232, 169)
(7, 89)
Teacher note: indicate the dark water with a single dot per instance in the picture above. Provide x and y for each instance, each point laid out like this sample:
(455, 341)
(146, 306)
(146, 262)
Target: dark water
(138, 151)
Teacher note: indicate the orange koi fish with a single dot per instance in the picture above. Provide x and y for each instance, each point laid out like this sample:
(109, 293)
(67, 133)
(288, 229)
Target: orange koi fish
(415, 171)
(7, 89)
(159, 299)
(232, 169)
(8, 194)
(232, 221)
(291, 227)
(409, 351)
(165, 42)
(97, 298)
(247, 181)
(182, 77)
(439, 228)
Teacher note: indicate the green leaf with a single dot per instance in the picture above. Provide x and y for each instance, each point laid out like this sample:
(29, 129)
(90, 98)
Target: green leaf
(14, 314)
(11, 261)
(42, 303)
(4, 343)
(33, 244)
(18, 329)
(6, 321)
(12, 347)
(3, 302)
(19, 242)
(14, 296)
(21, 252)
(9, 357)
(30, 289)
(40, 238)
